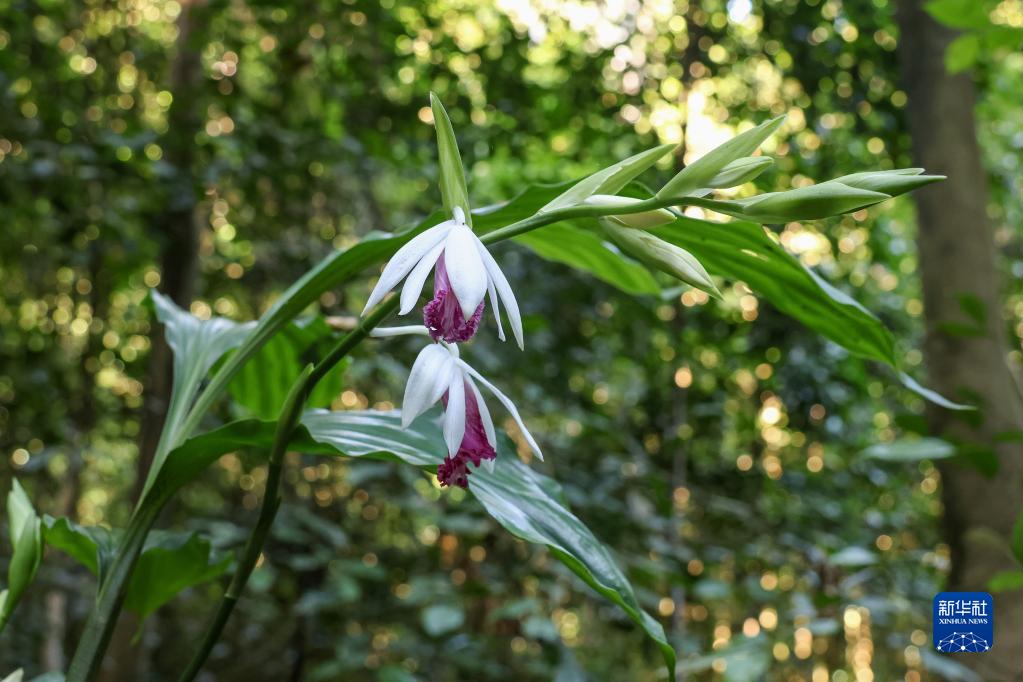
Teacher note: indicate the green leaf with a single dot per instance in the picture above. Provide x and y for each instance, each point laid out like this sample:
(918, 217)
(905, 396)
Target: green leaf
(452, 177)
(702, 172)
(744, 251)
(962, 14)
(169, 564)
(26, 549)
(809, 203)
(962, 53)
(1016, 539)
(526, 503)
(91, 546)
(609, 180)
(910, 450)
(262, 384)
(585, 251)
(197, 345)
(1005, 581)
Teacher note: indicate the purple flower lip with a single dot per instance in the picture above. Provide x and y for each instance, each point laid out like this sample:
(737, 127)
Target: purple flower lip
(475, 446)
(443, 315)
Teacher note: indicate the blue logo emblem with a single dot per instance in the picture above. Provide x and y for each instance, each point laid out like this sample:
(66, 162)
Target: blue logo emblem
(964, 622)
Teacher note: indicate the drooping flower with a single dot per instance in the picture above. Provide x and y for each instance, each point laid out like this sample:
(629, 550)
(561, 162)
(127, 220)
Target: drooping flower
(439, 374)
(466, 273)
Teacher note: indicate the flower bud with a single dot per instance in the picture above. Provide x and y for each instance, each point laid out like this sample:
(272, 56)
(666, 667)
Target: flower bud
(660, 255)
(641, 221)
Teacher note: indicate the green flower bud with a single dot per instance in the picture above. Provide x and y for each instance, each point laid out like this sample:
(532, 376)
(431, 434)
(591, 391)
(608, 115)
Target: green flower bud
(641, 221)
(660, 255)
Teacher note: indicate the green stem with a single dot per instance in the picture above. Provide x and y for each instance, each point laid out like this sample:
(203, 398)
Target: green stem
(290, 415)
(100, 625)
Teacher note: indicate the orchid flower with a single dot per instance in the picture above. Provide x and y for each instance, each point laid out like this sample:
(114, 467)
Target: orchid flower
(465, 274)
(439, 374)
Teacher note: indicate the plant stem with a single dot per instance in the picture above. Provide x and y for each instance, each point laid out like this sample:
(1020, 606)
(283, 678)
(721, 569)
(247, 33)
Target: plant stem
(100, 625)
(271, 503)
(286, 423)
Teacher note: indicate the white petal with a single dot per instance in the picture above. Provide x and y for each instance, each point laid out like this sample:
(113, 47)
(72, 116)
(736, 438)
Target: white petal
(404, 259)
(496, 307)
(466, 271)
(489, 464)
(429, 378)
(508, 404)
(488, 421)
(495, 275)
(407, 330)
(417, 278)
(454, 414)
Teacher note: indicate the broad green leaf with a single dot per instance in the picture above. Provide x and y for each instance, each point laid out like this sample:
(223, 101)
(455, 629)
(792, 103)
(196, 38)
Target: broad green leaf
(262, 384)
(608, 181)
(91, 546)
(1005, 581)
(197, 345)
(1016, 540)
(809, 203)
(452, 177)
(527, 504)
(910, 450)
(701, 173)
(169, 563)
(962, 53)
(584, 250)
(26, 549)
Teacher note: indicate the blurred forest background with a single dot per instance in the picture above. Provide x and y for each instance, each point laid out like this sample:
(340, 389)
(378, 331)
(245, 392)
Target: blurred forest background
(214, 149)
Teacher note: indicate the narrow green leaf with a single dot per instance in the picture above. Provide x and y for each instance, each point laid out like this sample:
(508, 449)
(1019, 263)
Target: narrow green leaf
(452, 177)
(700, 173)
(609, 180)
(910, 450)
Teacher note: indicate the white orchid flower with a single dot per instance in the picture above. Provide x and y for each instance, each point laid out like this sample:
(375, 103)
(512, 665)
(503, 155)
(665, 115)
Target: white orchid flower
(439, 374)
(466, 273)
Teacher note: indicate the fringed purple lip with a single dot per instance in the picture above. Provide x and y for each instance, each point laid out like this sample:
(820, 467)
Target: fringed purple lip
(474, 448)
(443, 314)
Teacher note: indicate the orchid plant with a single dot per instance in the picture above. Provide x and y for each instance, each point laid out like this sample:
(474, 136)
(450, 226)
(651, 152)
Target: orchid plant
(606, 225)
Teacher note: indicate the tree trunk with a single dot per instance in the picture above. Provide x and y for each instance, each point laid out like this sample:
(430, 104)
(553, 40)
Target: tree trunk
(959, 262)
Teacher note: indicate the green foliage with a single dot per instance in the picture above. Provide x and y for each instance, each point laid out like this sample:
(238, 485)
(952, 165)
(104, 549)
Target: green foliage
(26, 549)
(169, 563)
